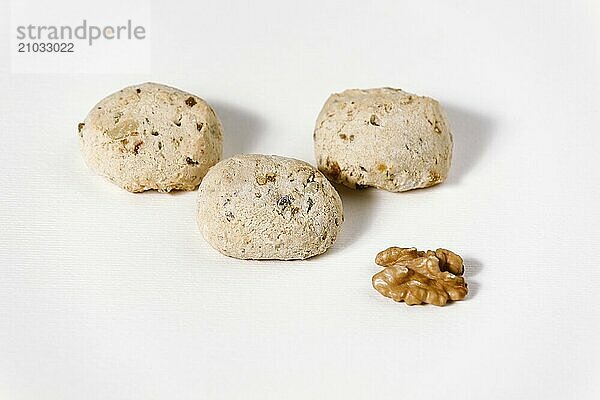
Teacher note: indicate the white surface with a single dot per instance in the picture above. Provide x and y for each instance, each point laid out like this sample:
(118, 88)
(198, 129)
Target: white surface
(110, 295)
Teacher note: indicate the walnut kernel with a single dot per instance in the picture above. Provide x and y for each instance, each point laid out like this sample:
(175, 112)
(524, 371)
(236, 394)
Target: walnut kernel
(417, 277)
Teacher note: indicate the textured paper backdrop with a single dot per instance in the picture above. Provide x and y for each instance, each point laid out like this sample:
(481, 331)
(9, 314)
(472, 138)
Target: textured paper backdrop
(110, 295)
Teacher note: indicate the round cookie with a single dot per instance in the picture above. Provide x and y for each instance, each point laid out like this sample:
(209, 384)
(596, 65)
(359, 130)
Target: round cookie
(152, 136)
(386, 138)
(254, 206)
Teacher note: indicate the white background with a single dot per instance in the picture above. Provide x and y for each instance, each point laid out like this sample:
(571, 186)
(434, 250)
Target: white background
(106, 294)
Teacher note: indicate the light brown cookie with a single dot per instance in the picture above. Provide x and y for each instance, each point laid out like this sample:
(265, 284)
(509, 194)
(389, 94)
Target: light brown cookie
(386, 138)
(151, 136)
(255, 206)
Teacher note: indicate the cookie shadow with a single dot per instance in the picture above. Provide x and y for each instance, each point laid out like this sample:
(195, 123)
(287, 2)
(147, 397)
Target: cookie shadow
(358, 215)
(472, 134)
(241, 128)
(472, 268)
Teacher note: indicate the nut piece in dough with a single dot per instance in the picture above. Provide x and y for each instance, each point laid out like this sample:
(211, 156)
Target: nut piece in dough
(152, 136)
(386, 138)
(254, 206)
(417, 277)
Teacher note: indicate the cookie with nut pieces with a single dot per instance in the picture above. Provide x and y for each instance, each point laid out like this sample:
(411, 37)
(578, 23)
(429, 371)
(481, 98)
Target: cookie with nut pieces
(255, 206)
(386, 138)
(152, 136)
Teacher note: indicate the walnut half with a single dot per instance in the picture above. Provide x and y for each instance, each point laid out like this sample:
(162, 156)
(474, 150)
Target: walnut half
(417, 277)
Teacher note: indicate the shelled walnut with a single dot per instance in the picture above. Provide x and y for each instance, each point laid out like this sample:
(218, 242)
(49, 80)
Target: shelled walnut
(417, 277)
